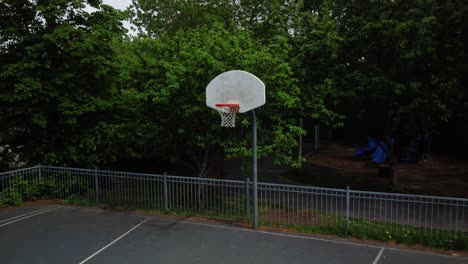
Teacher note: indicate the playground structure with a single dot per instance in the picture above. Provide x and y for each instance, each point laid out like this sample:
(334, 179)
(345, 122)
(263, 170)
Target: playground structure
(377, 150)
(418, 149)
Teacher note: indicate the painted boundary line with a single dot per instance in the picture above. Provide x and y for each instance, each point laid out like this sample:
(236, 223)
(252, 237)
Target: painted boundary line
(114, 241)
(309, 238)
(29, 216)
(159, 218)
(376, 260)
(11, 218)
(279, 234)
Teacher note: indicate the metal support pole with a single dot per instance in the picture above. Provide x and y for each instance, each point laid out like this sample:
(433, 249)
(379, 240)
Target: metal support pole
(347, 208)
(166, 202)
(40, 172)
(247, 198)
(96, 183)
(254, 170)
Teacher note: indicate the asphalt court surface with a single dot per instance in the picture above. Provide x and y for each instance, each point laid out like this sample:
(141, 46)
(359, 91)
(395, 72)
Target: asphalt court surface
(65, 234)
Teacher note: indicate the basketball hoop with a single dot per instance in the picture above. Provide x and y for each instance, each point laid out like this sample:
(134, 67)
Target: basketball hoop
(234, 92)
(228, 114)
(241, 88)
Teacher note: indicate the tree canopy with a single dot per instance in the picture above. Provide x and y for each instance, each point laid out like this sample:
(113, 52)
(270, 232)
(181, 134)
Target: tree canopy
(171, 74)
(55, 77)
(76, 90)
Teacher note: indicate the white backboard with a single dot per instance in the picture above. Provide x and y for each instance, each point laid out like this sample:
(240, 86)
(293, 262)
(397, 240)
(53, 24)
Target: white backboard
(236, 87)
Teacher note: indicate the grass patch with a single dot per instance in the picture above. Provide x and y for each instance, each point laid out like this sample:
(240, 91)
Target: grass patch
(372, 230)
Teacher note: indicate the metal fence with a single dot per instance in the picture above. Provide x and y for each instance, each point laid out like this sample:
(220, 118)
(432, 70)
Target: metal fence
(281, 205)
(8, 178)
(387, 213)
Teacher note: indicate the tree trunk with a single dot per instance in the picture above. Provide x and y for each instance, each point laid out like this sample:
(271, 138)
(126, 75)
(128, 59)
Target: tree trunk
(202, 174)
(317, 136)
(394, 172)
(393, 163)
(299, 156)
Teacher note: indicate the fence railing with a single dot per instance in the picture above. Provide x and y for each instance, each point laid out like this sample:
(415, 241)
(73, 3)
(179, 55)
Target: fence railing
(30, 174)
(282, 205)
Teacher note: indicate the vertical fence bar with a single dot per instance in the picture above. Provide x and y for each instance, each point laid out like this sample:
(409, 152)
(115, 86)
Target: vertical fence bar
(247, 198)
(166, 202)
(96, 184)
(347, 208)
(40, 171)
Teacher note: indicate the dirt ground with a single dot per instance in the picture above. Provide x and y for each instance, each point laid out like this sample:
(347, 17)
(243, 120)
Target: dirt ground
(335, 166)
(440, 175)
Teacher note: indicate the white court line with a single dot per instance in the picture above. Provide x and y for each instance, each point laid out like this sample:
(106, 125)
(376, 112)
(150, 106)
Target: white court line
(11, 218)
(309, 238)
(280, 234)
(42, 212)
(296, 236)
(376, 260)
(111, 243)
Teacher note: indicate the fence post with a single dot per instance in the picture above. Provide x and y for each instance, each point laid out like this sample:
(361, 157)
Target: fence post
(40, 172)
(247, 198)
(199, 195)
(96, 184)
(347, 208)
(166, 202)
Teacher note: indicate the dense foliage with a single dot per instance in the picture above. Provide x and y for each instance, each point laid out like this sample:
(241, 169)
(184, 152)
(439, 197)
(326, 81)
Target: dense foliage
(56, 76)
(76, 90)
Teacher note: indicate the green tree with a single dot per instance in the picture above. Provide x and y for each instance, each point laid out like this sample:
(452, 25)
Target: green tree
(158, 17)
(316, 63)
(409, 57)
(56, 75)
(318, 46)
(171, 74)
(314, 38)
(268, 21)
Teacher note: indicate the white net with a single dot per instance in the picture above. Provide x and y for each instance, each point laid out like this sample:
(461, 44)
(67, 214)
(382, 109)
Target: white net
(228, 119)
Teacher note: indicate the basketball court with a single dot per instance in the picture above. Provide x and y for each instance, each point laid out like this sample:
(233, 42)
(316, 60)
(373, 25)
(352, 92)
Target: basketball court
(50, 233)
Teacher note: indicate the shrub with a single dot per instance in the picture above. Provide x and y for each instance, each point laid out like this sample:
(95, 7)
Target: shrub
(24, 190)
(11, 198)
